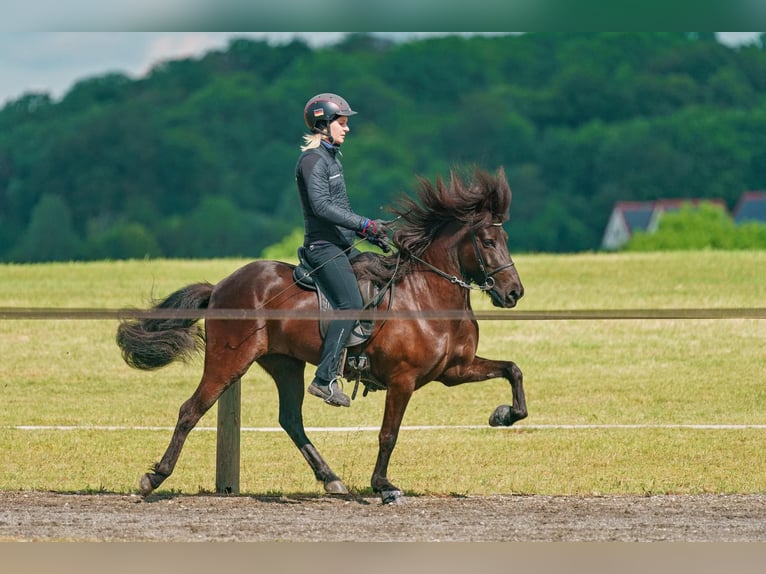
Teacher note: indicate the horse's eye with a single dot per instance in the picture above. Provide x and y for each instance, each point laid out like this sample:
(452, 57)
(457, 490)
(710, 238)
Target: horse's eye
(488, 242)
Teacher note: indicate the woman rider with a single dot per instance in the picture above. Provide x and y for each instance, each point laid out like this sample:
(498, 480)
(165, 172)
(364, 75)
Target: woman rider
(331, 228)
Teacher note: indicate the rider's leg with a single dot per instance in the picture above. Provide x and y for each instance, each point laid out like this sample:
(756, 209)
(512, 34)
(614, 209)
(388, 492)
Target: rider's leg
(335, 277)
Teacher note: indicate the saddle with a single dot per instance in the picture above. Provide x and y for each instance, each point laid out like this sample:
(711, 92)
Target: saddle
(356, 363)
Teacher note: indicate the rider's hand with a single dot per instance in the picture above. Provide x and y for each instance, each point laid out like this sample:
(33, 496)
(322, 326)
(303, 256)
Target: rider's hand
(375, 228)
(382, 242)
(376, 232)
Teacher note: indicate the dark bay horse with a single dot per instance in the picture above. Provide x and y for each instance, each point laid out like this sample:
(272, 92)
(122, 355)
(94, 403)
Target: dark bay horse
(449, 239)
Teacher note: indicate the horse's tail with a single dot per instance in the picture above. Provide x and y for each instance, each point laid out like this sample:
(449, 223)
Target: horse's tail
(153, 343)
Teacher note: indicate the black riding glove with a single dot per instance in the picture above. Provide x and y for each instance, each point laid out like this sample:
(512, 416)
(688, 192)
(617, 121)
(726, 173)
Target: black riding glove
(376, 232)
(382, 242)
(374, 228)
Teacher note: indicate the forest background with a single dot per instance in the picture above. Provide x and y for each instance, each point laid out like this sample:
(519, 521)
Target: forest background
(196, 159)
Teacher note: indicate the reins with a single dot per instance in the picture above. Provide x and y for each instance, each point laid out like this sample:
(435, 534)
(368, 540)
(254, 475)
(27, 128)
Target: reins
(309, 272)
(489, 281)
(451, 278)
(487, 285)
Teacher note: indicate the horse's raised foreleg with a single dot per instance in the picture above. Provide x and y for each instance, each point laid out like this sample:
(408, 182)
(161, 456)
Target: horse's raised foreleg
(483, 369)
(396, 403)
(287, 372)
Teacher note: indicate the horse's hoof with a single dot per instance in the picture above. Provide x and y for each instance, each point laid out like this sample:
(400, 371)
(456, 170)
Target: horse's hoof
(392, 497)
(335, 487)
(501, 417)
(145, 486)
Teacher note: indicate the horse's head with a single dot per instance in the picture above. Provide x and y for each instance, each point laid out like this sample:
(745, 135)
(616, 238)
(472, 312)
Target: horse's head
(469, 217)
(485, 259)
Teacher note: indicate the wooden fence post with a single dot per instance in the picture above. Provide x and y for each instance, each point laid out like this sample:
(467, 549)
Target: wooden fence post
(227, 442)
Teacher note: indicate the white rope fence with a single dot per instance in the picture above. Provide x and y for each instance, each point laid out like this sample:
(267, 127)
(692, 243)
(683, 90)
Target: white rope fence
(515, 428)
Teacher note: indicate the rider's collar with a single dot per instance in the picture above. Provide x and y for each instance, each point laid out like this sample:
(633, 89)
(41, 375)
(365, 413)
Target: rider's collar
(332, 148)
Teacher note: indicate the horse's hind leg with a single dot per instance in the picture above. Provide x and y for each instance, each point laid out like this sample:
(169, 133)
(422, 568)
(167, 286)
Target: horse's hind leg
(224, 364)
(190, 413)
(288, 375)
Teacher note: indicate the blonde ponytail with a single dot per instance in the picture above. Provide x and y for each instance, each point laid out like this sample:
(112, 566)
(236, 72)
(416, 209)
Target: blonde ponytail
(311, 141)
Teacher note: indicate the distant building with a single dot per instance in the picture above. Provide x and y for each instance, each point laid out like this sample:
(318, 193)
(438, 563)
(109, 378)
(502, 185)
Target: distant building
(751, 207)
(630, 216)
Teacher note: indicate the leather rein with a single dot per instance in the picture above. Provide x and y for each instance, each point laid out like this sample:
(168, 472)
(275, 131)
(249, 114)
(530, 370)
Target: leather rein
(489, 281)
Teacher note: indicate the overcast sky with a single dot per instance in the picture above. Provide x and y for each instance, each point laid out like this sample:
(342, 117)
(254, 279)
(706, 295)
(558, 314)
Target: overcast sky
(53, 61)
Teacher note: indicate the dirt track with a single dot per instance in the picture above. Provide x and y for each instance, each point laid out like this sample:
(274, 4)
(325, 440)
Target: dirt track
(41, 516)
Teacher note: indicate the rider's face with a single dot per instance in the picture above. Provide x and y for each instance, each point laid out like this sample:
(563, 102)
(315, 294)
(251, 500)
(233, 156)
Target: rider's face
(338, 130)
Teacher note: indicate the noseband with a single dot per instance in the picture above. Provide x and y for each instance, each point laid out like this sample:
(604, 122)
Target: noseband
(489, 281)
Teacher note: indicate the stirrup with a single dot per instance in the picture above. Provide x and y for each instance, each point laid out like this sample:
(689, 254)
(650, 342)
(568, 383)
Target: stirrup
(330, 393)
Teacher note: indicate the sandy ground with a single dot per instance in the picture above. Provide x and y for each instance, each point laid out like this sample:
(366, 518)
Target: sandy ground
(44, 516)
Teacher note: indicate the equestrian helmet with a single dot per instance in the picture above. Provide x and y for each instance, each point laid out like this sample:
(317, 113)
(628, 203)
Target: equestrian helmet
(323, 109)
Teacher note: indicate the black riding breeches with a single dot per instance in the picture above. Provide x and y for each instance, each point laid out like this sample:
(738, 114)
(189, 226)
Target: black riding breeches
(333, 274)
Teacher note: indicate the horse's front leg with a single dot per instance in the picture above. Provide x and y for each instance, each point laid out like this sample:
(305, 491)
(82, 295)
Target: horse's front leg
(396, 403)
(483, 369)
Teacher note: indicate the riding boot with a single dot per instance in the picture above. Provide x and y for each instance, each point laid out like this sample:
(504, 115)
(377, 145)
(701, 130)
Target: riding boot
(325, 384)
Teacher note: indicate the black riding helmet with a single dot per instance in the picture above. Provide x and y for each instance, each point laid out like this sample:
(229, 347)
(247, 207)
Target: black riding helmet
(322, 110)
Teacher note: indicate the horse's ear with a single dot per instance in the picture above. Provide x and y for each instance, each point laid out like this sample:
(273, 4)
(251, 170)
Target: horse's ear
(500, 174)
(502, 183)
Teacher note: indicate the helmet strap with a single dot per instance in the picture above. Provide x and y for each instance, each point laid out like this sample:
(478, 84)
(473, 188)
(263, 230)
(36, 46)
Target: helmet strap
(327, 132)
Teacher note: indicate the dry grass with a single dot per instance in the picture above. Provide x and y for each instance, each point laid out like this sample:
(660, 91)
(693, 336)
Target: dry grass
(652, 372)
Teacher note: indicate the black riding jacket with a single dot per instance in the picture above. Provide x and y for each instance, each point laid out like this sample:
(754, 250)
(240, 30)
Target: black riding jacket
(327, 213)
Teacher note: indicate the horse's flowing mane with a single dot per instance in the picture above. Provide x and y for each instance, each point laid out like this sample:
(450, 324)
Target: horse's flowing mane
(483, 200)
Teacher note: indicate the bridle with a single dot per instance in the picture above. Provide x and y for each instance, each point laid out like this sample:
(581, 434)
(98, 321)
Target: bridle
(489, 281)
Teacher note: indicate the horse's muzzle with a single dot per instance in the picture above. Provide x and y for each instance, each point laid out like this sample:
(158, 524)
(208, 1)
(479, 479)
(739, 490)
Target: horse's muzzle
(507, 302)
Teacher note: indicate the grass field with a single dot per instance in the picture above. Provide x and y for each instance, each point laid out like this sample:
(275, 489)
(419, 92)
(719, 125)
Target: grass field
(596, 374)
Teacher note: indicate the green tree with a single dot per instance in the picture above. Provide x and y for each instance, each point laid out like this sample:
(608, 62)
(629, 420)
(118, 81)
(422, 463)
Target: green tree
(50, 235)
(123, 241)
(218, 228)
(579, 121)
(704, 227)
(286, 248)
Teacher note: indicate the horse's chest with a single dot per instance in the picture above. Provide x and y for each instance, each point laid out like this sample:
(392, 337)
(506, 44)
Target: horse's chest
(464, 351)
(461, 346)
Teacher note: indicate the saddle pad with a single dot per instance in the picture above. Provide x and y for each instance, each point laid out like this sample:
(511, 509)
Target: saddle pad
(362, 329)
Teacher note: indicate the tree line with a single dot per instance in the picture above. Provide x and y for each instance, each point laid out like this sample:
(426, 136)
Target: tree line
(196, 159)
